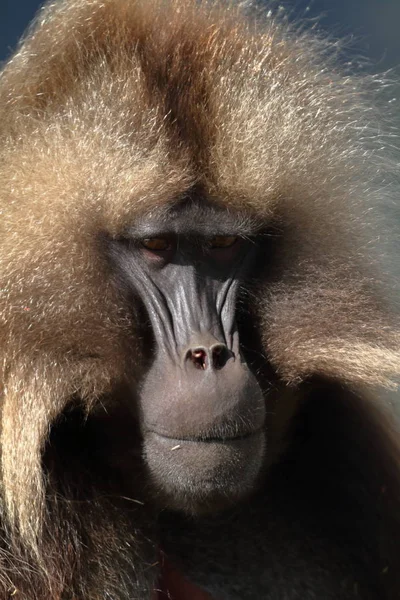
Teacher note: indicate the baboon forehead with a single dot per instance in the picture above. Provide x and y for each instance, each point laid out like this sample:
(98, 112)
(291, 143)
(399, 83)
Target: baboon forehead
(130, 105)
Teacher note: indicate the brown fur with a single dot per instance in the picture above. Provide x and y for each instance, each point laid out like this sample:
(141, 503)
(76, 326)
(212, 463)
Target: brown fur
(107, 110)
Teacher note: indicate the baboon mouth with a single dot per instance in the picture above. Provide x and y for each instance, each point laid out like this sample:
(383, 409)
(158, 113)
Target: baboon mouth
(203, 471)
(207, 438)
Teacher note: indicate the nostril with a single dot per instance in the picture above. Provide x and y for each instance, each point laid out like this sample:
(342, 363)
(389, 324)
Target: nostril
(220, 356)
(198, 356)
(215, 357)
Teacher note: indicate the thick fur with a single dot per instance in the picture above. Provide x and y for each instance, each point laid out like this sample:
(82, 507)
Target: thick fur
(113, 107)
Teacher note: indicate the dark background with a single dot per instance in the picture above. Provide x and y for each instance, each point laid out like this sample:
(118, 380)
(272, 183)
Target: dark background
(373, 24)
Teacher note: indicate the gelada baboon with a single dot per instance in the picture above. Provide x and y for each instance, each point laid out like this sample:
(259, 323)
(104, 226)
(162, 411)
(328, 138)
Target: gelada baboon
(196, 323)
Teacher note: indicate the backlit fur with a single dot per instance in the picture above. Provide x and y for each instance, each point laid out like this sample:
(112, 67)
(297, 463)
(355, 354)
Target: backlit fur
(108, 109)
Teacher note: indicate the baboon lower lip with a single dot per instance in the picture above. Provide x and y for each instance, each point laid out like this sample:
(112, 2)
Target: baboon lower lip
(203, 475)
(207, 439)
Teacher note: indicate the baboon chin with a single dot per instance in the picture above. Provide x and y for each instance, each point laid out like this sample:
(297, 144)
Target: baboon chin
(205, 479)
(196, 325)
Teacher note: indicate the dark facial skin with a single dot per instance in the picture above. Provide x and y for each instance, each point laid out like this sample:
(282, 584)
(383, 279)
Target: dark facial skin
(202, 411)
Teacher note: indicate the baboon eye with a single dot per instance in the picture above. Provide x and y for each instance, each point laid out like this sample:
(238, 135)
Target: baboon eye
(156, 244)
(222, 241)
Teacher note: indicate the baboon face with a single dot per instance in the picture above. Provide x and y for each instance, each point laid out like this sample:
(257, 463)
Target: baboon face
(201, 408)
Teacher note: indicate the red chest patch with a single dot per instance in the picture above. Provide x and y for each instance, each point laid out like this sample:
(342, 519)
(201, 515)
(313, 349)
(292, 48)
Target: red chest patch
(174, 586)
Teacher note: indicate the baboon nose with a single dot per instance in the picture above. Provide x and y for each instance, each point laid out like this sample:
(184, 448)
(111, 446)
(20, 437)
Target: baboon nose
(213, 357)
